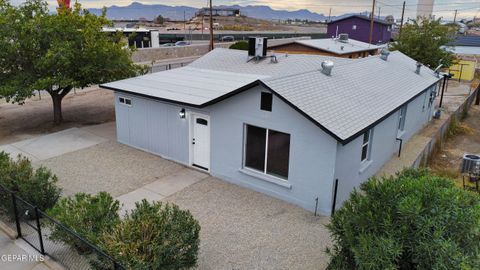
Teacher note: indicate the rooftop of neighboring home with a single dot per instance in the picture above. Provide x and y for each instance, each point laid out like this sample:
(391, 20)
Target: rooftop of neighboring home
(336, 46)
(357, 93)
(359, 16)
(470, 41)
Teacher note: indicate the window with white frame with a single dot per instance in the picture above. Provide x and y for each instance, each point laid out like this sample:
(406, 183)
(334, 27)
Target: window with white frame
(267, 151)
(366, 145)
(125, 101)
(402, 118)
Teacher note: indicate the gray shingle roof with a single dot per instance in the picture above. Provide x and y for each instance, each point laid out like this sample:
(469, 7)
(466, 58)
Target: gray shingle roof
(357, 94)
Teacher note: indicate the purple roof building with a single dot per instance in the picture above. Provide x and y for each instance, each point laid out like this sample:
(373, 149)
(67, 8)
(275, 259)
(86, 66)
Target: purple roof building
(358, 27)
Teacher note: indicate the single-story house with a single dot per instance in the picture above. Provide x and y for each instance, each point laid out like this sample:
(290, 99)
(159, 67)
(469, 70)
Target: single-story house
(358, 27)
(467, 50)
(137, 37)
(341, 46)
(288, 126)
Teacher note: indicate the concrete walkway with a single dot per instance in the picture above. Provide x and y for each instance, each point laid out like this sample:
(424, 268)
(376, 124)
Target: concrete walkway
(161, 188)
(16, 255)
(53, 145)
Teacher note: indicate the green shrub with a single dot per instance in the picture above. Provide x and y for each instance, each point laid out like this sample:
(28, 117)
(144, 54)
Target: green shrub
(240, 45)
(154, 236)
(412, 221)
(36, 186)
(87, 215)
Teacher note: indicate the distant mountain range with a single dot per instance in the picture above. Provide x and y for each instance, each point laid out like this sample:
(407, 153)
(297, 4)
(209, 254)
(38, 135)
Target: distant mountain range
(137, 10)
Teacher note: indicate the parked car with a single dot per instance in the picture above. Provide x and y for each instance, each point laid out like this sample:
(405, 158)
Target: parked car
(173, 29)
(182, 43)
(227, 39)
(168, 45)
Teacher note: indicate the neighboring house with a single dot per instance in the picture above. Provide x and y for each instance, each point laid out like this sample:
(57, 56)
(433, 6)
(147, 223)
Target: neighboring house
(137, 37)
(358, 27)
(467, 50)
(339, 47)
(280, 126)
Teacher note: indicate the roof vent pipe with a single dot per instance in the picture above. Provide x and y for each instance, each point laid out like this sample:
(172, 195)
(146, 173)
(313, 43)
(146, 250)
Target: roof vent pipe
(419, 66)
(384, 54)
(327, 67)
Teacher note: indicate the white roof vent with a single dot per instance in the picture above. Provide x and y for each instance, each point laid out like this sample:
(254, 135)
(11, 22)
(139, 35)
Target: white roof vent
(384, 54)
(327, 67)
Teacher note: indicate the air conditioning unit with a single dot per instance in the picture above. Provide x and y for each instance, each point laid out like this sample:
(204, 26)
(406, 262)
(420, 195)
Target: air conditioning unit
(471, 163)
(257, 47)
(343, 38)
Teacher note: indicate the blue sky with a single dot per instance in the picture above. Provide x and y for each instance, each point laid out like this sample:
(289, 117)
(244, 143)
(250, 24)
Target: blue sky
(444, 8)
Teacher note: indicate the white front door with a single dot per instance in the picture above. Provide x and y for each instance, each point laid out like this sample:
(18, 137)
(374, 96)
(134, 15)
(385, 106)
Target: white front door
(201, 142)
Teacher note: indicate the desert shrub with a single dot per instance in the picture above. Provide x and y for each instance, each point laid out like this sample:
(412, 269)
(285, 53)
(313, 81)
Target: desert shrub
(412, 221)
(87, 215)
(154, 236)
(240, 45)
(36, 186)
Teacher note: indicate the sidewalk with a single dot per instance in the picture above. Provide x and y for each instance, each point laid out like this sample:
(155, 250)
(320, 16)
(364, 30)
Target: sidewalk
(10, 248)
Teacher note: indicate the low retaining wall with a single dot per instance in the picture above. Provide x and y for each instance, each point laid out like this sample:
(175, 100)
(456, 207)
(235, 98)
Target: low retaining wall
(440, 136)
(162, 53)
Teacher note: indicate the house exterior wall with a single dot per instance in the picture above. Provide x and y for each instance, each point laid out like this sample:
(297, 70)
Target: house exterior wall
(349, 169)
(312, 151)
(154, 127)
(381, 33)
(294, 48)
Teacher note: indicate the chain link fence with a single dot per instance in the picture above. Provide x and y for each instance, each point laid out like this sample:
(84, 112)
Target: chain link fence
(48, 236)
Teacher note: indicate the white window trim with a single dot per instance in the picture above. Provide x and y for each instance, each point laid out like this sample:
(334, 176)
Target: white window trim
(369, 146)
(261, 174)
(402, 118)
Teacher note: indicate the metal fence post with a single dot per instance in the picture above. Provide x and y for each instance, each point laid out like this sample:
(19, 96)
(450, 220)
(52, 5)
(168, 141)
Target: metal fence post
(15, 211)
(39, 229)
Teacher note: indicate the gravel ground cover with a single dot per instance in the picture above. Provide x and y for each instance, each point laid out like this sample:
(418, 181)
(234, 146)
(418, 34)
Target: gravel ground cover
(110, 166)
(243, 229)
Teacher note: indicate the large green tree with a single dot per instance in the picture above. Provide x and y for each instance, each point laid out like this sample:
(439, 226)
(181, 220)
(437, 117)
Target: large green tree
(57, 52)
(423, 39)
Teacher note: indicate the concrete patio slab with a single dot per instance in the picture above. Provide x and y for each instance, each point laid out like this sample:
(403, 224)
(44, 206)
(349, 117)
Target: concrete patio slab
(14, 152)
(57, 144)
(106, 130)
(128, 200)
(175, 182)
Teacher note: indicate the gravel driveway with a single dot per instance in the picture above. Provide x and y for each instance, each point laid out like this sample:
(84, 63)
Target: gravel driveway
(243, 229)
(109, 166)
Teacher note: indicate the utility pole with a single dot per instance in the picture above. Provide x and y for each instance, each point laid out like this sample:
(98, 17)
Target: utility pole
(185, 25)
(401, 22)
(330, 15)
(379, 11)
(372, 18)
(455, 17)
(211, 26)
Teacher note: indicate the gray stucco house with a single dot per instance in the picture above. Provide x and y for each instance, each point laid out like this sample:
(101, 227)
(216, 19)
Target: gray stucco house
(284, 128)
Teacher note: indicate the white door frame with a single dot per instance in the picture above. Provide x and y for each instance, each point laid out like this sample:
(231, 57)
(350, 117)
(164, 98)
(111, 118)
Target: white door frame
(191, 127)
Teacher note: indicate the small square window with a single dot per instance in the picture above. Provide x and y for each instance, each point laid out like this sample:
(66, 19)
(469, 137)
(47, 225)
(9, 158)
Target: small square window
(121, 100)
(354, 27)
(128, 102)
(266, 101)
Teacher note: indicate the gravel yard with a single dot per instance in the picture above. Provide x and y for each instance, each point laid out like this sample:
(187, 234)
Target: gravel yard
(110, 167)
(243, 229)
